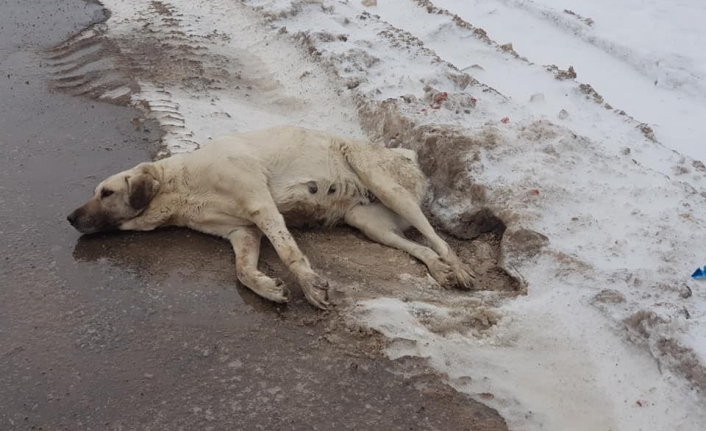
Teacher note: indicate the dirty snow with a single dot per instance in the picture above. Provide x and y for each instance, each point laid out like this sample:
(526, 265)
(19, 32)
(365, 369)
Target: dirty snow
(611, 334)
(271, 81)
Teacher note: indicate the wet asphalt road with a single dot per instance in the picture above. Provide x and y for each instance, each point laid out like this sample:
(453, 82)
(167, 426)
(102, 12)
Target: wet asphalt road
(151, 331)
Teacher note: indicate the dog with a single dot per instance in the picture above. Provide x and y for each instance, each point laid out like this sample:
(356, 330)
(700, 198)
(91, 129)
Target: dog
(242, 186)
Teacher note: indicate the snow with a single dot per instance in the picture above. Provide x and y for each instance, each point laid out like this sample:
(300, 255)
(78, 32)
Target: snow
(539, 380)
(659, 38)
(643, 56)
(612, 332)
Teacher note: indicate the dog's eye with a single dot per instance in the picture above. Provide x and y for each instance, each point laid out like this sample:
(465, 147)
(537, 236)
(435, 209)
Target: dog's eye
(313, 188)
(332, 190)
(105, 193)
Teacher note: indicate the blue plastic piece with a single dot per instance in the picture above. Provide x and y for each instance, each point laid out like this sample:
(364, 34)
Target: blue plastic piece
(699, 273)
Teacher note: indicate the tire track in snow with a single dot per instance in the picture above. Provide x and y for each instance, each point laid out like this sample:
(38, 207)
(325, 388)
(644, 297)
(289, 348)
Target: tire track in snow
(651, 67)
(201, 69)
(623, 76)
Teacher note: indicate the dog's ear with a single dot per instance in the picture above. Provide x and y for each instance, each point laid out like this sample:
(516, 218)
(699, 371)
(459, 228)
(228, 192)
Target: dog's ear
(142, 187)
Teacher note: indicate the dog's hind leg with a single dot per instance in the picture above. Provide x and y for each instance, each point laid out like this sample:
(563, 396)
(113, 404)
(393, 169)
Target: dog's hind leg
(377, 169)
(246, 244)
(385, 227)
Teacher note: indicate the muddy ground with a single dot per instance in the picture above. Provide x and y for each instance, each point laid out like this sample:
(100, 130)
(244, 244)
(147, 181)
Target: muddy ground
(152, 331)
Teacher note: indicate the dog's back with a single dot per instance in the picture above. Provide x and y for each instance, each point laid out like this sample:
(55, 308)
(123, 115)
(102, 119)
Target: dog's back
(308, 175)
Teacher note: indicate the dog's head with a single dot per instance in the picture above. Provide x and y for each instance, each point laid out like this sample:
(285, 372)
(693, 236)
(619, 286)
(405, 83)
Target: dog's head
(117, 199)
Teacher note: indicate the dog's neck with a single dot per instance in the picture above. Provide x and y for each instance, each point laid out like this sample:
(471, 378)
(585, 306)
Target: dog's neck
(170, 175)
(173, 177)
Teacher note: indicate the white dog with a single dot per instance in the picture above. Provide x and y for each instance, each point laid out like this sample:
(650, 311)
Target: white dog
(242, 186)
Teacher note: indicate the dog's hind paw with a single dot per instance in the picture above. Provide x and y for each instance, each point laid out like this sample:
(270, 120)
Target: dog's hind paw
(465, 277)
(442, 272)
(315, 290)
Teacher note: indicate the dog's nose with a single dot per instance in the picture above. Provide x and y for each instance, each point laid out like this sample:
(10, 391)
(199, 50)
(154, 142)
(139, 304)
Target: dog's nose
(72, 218)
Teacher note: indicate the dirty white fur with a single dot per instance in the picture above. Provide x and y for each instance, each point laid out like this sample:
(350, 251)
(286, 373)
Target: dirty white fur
(242, 186)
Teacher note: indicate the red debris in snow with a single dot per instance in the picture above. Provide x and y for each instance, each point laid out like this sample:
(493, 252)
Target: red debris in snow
(438, 99)
(441, 97)
(639, 403)
(474, 101)
(505, 120)
(534, 192)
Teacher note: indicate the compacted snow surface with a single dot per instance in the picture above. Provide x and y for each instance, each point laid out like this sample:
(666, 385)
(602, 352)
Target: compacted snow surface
(604, 159)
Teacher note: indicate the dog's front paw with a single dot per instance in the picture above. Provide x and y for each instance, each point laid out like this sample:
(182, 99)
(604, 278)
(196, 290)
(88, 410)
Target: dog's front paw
(315, 289)
(273, 289)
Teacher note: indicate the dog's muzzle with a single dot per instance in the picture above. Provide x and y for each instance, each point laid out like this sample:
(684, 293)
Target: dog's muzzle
(72, 218)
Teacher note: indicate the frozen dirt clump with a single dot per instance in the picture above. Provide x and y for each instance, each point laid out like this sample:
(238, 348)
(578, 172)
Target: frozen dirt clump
(445, 154)
(560, 74)
(654, 332)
